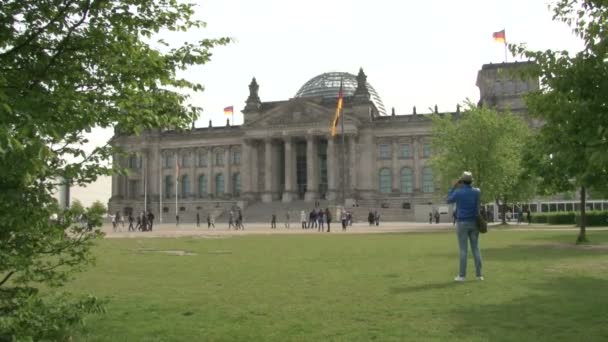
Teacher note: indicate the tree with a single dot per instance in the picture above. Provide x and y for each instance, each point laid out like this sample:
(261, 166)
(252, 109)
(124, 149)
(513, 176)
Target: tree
(67, 66)
(77, 208)
(487, 143)
(570, 151)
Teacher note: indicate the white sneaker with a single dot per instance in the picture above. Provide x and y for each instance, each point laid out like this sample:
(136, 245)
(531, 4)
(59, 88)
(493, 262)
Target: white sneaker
(459, 279)
(480, 278)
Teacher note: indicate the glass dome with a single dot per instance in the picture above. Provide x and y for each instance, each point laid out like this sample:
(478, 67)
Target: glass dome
(328, 85)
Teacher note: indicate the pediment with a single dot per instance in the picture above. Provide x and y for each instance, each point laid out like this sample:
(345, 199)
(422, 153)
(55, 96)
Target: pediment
(298, 112)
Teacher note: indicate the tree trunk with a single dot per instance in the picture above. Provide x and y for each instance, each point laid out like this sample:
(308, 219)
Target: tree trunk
(503, 209)
(582, 236)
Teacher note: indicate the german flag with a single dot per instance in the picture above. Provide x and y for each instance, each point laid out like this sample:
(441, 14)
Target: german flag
(334, 124)
(229, 110)
(500, 37)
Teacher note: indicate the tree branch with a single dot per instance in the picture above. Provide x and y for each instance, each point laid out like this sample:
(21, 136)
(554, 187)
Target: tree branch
(6, 278)
(40, 30)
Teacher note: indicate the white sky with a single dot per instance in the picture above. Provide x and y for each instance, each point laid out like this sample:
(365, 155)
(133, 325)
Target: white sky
(418, 53)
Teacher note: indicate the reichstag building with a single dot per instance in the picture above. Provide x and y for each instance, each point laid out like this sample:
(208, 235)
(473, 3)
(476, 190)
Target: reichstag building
(283, 155)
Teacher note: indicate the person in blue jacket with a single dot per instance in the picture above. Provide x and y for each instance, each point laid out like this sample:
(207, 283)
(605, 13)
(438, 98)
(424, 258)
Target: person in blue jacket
(467, 200)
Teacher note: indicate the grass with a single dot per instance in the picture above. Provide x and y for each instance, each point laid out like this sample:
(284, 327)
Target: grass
(314, 287)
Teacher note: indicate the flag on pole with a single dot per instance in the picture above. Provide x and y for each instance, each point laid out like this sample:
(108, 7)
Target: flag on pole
(500, 36)
(229, 110)
(334, 124)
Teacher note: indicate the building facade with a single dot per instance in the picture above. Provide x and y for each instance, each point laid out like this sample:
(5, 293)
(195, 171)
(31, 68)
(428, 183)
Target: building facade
(284, 153)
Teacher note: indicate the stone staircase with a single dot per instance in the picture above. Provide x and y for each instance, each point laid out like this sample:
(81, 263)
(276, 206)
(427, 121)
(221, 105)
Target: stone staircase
(262, 212)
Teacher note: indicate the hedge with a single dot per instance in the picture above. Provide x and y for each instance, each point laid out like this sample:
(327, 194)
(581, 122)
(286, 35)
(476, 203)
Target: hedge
(594, 218)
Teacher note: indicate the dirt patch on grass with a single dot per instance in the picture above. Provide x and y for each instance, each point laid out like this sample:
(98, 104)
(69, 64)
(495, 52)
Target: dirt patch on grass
(588, 266)
(582, 247)
(175, 252)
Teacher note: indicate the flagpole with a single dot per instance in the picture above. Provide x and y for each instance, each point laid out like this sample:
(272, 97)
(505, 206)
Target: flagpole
(506, 51)
(176, 183)
(145, 186)
(160, 187)
(343, 159)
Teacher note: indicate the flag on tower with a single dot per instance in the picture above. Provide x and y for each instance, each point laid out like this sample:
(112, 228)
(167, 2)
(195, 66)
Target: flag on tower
(500, 36)
(229, 110)
(334, 124)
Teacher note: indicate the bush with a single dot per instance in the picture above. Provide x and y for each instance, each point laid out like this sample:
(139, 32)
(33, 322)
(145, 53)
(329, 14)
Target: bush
(594, 218)
(561, 218)
(539, 218)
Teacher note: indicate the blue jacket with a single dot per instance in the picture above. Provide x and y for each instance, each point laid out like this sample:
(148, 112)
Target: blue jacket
(466, 198)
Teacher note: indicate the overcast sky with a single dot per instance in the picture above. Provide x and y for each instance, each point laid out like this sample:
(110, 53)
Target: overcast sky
(415, 53)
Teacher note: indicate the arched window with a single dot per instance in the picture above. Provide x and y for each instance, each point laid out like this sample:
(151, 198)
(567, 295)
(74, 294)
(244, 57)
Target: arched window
(385, 180)
(169, 186)
(202, 186)
(236, 184)
(185, 186)
(427, 180)
(219, 184)
(407, 180)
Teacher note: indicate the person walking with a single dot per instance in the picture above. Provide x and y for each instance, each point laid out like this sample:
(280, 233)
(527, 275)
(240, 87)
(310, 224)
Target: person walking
(328, 219)
(239, 221)
(528, 216)
(198, 219)
(303, 218)
(131, 228)
(437, 216)
(467, 199)
(287, 219)
(273, 221)
(320, 220)
(210, 221)
(344, 219)
(150, 220)
(431, 217)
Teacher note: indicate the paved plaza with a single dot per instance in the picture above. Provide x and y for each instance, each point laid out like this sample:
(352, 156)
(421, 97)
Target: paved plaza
(190, 229)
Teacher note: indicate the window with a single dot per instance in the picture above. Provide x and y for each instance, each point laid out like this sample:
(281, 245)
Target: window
(407, 180)
(185, 186)
(426, 150)
(236, 184)
(133, 187)
(168, 186)
(168, 161)
(385, 180)
(384, 151)
(236, 157)
(202, 186)
(219, 184)
(497, 88)
(134, 161)
(185, 160)
(405, 152)
(427, 180)
(202, 158)
(219, 158)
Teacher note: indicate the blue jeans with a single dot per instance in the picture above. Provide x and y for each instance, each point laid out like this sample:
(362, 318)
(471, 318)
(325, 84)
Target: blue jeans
(467, 230)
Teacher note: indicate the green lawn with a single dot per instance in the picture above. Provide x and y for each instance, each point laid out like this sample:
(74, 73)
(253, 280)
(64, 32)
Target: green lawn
(315, 287)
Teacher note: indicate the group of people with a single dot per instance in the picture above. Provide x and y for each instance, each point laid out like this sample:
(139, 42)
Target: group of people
(235, 220)
(317, 218)
(373, 218)
(436, 216)
(144, 222)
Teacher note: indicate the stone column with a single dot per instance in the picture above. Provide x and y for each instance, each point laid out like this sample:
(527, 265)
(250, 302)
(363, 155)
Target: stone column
(253, 167)
(228, 171)
(416, 169)
(267, 195)
(353, 163)
(312, 182)
(211, 174)
(115, 178)
(395, 166)
(246, 169)
(290, 176)
(332, 164)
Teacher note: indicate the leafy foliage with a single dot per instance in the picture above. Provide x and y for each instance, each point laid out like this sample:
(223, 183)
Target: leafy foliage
(570, 150)
(487, 143)
(65, 68)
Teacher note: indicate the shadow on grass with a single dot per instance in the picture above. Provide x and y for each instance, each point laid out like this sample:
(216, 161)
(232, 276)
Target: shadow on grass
(423, 287)
(562, 309)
